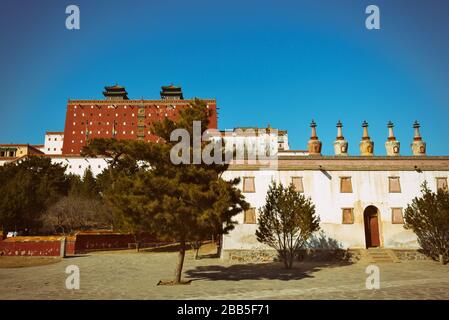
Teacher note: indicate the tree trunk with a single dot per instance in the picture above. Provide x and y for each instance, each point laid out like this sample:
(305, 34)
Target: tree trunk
(218, 244)
(284, 258)
(219, 241)
(290, 259)
(181, 255)
(136, 240)
(441, 258)
(197, 251)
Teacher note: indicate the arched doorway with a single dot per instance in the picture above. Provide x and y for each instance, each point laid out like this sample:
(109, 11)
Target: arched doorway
(371, 219)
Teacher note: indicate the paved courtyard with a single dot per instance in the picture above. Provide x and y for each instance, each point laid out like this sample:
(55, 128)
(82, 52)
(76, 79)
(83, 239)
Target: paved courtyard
(129, 275)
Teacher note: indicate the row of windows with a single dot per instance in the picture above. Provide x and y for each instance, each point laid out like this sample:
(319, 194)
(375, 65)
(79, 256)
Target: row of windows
(140, 122)
(124, 114)
(11, 154)
(106, 132)
(394, 184)
(397, 216)
(169, 107)
(56, 139)
(101, 123)
(89, 166)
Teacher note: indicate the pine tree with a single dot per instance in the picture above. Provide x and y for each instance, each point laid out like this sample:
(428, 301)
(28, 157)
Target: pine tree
(89, 185)
(428, 217)
(182, 202)
(286, 221)
(27, 189)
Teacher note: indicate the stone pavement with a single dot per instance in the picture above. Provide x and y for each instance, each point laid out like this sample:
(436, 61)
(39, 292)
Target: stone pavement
(129, 275)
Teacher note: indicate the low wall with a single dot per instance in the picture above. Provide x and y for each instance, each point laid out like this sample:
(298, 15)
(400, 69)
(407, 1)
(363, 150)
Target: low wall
(36, 246)
(80, 243)
(102, 241)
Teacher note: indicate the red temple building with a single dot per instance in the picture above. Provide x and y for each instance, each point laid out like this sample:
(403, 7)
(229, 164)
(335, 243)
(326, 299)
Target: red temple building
(119, 117)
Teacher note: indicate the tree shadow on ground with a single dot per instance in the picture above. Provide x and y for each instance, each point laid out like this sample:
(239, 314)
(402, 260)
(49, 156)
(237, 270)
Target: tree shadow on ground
(172, 247)
(78, 255)
(321, 241)
(209, 256)
(259, 271)
(175, 247)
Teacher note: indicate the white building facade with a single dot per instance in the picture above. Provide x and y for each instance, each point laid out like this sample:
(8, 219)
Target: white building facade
(53, 143)
(78, 165)
(360, 200)
(252, 141)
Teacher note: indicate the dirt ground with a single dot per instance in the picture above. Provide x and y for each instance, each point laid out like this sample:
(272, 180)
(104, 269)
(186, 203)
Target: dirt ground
(22, 262)
(207, 248)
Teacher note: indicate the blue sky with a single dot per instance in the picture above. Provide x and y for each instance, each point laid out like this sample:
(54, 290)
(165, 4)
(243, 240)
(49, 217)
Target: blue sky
(278, 62)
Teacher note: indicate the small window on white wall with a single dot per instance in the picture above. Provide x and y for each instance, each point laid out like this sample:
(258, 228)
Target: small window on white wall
(248, 184)
(250, 216)
(297, 184)
(397, 216)
(442, 184)
(348, 215)
(394, 185)
(345, 185)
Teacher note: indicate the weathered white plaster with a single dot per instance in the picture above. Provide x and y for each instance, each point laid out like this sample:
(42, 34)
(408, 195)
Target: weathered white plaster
(369, 188)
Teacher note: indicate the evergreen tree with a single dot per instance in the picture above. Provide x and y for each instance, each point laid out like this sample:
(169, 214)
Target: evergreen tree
(286, 221)
(89, 185)
(75, 185)
(27, 189)
(175, 202)
(428, 217)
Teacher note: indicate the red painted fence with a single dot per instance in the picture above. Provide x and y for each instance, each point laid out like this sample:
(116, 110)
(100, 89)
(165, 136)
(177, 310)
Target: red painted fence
(36, 246)
(80, 243)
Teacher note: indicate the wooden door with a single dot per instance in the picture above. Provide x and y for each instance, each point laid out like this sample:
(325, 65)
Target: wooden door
(371, 227)
(374, 231)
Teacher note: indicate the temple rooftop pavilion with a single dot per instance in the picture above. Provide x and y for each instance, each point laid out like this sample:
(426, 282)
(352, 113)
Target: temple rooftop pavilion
(171, 92)
(115, 92)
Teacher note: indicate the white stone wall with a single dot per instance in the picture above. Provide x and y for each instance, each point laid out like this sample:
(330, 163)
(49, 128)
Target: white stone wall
(53, 143)
(78, 165)
(254, 139)
(369, 188)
